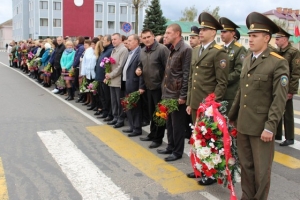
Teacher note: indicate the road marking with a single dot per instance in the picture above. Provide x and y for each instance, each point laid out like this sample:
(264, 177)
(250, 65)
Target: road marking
(296, 112)
(56, 96)
(296, 144)
(84, 175)
(286, 160)
(169, 177)
(3, 187)
(208, 196)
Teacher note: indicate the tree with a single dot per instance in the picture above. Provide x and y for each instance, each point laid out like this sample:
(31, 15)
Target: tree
(189, 14)
(137, 4)
(281, 23)
(154, 19)
(214, 12)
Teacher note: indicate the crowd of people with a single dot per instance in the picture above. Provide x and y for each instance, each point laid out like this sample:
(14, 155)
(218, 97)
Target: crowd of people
(165, 67)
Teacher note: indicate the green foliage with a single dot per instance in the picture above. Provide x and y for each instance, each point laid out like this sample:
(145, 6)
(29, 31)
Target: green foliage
(154, 19)
(189, 14)
(214, 12)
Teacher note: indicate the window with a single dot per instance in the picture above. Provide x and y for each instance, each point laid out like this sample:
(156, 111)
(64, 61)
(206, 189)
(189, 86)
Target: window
(132, 25)
(30, 22)
(99, 8)
(246, 41)
(17, 10)
(43, 22)
(43, 4)
(56, 6)
(123, 10)
(133, 10)
(111, 9)
(111, 24)
(186, 38)
(218, 40)
(56, 22)
(98, 24)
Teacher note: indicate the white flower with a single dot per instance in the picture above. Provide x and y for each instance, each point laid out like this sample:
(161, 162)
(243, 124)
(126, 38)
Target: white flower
(212, 139)
(198, 166)
(216, 159)
(237, 177)
(197, 144)
(231, 161)
(203, 130)
(209, 164)
(204, 152)
(211, 145)
(221, 151)
(209, 111)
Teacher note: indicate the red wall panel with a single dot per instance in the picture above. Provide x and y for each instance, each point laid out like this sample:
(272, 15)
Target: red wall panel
(78, 21)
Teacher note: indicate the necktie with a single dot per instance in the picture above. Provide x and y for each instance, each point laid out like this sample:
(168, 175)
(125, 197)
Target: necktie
(253, 59)
(201, 50)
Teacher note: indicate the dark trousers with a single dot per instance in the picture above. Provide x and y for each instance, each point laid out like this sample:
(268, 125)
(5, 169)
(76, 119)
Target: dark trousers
(288, 119)
(256, 158)
(144, 107)
(134, 116)
(156, 132)
(76, 76)
(188, 129)
(176, 130)
(104, 94)
(57, 73)
(117, 110)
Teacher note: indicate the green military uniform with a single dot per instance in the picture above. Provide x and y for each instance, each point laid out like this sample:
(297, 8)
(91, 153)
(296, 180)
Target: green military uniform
(236, 53)
(258, 106)
(209, 71)
(292, 55)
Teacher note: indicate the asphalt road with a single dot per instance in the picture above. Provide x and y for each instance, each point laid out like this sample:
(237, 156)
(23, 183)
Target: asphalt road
(54, 149)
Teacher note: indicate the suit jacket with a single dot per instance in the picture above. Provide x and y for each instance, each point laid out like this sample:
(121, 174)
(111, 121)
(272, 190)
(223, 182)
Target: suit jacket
(133, 82)
(120, 54)
(208, 74)
(236, 53)
(261, 98)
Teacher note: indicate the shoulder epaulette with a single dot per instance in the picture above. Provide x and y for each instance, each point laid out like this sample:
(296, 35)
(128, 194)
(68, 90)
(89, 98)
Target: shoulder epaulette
(217, 46)
(237, 44)
(276, 55)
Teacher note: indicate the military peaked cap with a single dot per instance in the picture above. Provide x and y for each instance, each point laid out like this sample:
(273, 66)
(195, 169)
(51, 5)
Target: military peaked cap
(206, 20)
(257, 22)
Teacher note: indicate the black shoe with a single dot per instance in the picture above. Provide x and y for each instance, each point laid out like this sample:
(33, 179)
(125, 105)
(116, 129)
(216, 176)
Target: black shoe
(146, 139)
(91, 108)
(86, 103)
(134, 134)
(154, 145)
(89, 105)
(101, 116)
(98, 112)
(127, 130)
(80, 98)
(67, 98)
(113, 122)
(172, 157)
(145, 124)
(191, 175)
(286, 143)
(108, 119)
(118, 125)
(95, 109)
(206, 181)
(70, 98)
(164, 151)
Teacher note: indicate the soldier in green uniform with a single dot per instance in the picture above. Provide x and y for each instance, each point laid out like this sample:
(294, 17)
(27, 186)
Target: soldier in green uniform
(292, 55)
(208, 72)
(236, 53)
(258, 107)
(194, 37)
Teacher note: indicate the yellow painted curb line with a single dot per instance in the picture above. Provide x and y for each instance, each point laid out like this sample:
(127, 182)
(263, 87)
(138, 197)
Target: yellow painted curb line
(286, 160)
(168, 176)
(3, 187)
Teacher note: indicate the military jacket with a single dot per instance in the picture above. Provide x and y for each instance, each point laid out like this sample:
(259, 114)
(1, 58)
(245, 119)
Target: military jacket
(208, 74)
(236, 53)
(261, 98)
(292, 55)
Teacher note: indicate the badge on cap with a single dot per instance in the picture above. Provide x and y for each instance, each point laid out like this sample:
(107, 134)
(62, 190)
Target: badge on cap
(223, 63)
(297, 61)
(284, 80)
(252, 26)
(202, 23)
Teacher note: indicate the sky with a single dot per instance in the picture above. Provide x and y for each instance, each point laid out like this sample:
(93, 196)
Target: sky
(235, 10)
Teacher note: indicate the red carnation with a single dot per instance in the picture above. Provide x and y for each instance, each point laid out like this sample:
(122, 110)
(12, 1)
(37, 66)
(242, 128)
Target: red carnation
(163, 109)
(192, 141)
(201, 123)
(112, 61)
(234, 132)
(203, 143)
(220, 181)
(208, 136)
(199, 136)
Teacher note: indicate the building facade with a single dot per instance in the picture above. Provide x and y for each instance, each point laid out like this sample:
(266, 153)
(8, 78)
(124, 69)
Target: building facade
(50, 18)
(5, 33)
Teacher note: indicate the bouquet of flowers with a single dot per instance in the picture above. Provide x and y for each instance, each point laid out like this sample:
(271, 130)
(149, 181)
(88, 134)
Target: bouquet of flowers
(48, 70)
(30, 56)
(93, 87)
(213, 144)
(130, 100)
(16, 59)
(163, 109)
(83, 87)
(106, 63)
(60, 83)
(10, 57)
(72, 73)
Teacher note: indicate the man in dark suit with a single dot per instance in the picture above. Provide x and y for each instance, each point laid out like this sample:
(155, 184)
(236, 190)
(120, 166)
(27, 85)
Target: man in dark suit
(133, 83)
